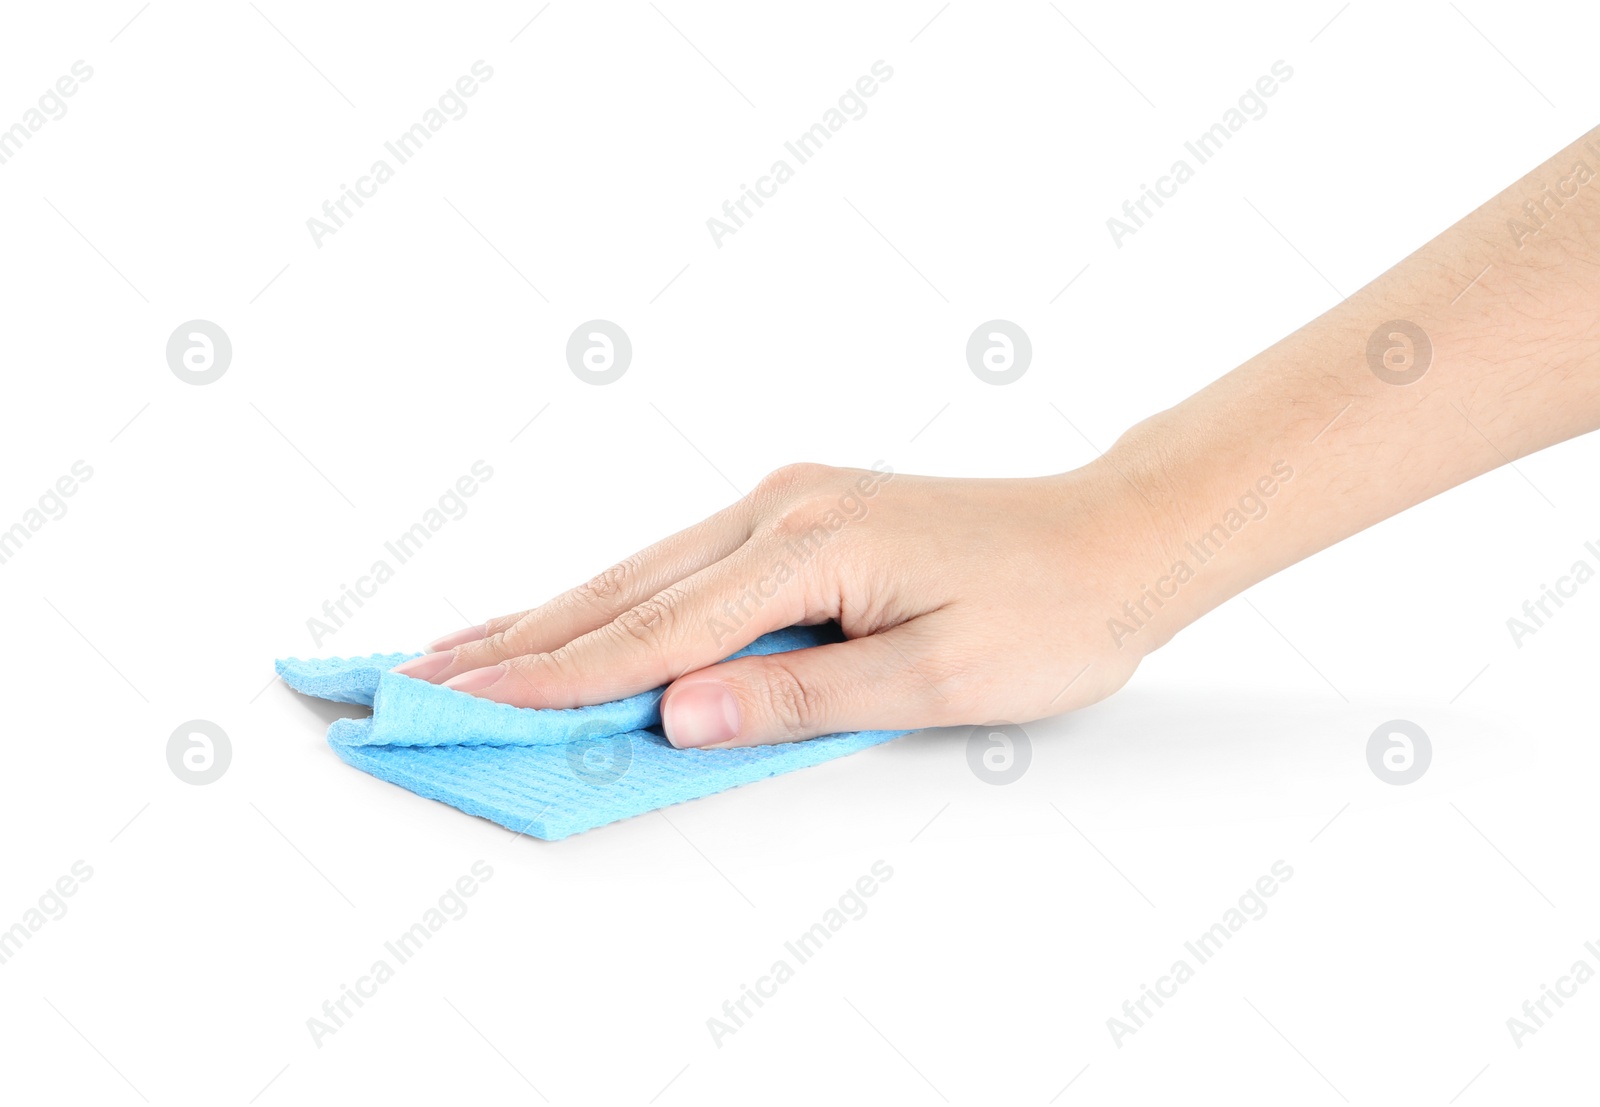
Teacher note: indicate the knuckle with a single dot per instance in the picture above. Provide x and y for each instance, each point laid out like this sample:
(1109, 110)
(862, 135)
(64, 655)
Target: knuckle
(812, 516)
(806, 502)
(794, 707)
(551, 671)
(502, 623)
(961, 688)
(500, 644)
(646, 623)
(604, 590)
(789, 478)
(532, 673)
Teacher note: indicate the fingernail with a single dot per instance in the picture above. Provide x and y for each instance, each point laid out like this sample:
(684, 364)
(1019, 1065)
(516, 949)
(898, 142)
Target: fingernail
(477, 680)
(426, 667)
(703, 714)
(460, 638)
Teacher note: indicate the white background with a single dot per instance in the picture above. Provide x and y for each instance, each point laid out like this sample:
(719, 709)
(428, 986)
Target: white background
(372, 371)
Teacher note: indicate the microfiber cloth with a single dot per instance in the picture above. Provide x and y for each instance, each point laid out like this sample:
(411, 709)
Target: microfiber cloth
(544, 772)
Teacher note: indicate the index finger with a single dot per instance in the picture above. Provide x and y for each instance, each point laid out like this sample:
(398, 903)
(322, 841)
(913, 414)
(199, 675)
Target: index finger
(692, 624)
(591, 605)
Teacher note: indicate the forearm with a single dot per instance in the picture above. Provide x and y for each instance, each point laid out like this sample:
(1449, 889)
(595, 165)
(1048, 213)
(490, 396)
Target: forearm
(1322, 437)
(972, 600)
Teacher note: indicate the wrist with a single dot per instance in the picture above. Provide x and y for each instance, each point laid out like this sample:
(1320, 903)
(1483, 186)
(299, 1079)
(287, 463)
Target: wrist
(1208, 508)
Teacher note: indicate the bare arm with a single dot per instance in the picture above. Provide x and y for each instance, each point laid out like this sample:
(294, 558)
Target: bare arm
(976, 601)
(1481, 347)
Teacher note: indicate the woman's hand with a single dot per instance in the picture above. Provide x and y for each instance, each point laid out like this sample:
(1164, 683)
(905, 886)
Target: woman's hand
(991, 601)
(964, 601)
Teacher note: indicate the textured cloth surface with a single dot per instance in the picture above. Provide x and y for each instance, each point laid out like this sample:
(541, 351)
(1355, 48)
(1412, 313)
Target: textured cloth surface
(543, 772)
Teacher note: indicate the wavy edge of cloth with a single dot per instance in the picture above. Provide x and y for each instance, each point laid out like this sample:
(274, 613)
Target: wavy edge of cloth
(547, 773)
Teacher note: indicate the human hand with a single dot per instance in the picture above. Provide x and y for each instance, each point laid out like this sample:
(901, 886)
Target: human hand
(991, 601)
(963, 601)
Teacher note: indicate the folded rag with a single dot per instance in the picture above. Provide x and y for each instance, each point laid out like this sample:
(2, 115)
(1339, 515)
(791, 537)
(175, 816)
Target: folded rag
(543, 772)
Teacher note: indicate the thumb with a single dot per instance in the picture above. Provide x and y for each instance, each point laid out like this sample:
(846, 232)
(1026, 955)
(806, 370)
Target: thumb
(878, 682)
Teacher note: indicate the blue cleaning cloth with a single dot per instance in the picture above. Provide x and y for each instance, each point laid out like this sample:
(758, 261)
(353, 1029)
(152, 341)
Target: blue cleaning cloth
(543, 772)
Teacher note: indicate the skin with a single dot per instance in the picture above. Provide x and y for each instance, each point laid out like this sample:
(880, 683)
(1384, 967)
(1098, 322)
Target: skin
(983, 601)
